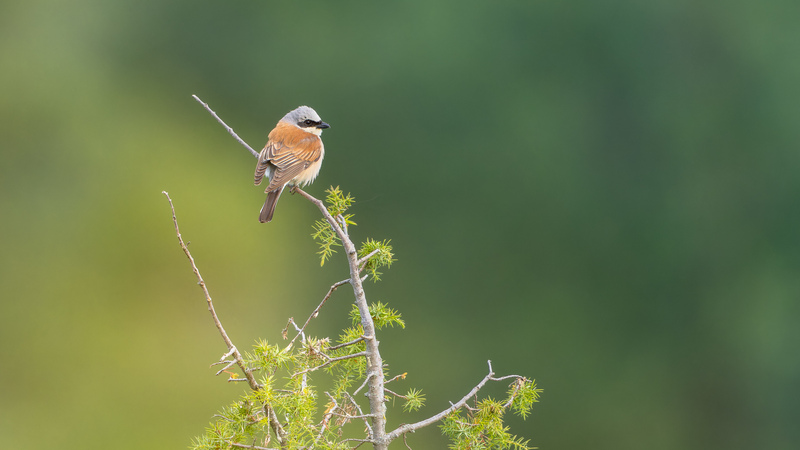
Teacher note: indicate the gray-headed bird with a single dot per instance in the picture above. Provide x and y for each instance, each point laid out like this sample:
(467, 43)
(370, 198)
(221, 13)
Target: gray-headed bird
(293, 155)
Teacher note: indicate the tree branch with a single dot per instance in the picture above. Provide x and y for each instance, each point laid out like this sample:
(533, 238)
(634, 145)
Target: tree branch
(353, 342)
(391, 392)
(231, 348)
(368, 256)
(230, 130)
(407, 428)
(325, 418)
(402, 375)
(331, 361)
(316, 311)
(255, 447)
(276, 426)
(358, 408)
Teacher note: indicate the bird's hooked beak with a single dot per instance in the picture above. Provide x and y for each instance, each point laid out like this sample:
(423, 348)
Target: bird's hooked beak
(323, 125)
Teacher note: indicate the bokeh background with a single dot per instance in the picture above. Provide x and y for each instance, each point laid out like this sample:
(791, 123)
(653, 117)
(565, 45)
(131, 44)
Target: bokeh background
(602, 196)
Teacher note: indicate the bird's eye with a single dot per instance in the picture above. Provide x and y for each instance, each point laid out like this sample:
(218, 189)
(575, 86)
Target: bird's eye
(309, 122)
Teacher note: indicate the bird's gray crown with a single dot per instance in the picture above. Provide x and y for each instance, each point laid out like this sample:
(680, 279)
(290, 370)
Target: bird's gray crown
(301, 114)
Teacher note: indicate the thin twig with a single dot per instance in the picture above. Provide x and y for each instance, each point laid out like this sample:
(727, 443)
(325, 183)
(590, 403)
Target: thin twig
(507, 377)
(405, 443)
(314, 314)
(395, 394)
(255, 447)
(518, 384)
(227, 366)
(366, 380)
(349, 417)
(275, 424)
(331, 361)
(402, 375)
(324, 424)
(231, 348)
(360, 412)
(296, 328)
(362, 261)
(359, 440)
(304, 383)
(230, 130)
(354, 341)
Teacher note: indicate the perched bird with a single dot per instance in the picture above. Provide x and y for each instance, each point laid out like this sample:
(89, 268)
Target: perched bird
(293, 155)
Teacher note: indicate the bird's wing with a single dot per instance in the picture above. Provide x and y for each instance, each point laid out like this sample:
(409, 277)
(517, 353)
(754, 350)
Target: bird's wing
(291, 158)
(264, 167)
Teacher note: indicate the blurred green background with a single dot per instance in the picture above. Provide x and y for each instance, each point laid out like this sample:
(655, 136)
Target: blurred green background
(602, 196)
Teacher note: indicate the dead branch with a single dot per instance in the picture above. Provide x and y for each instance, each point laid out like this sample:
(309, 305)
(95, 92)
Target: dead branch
(231, 348)
(230, 130)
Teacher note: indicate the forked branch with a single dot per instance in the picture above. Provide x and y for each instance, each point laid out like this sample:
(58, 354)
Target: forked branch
(411, 427)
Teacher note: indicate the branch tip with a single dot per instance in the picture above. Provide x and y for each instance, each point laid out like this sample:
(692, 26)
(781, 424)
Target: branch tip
(229, 129)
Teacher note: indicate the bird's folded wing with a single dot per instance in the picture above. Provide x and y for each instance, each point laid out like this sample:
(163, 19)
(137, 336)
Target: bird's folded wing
(263, 164)
(291, 158)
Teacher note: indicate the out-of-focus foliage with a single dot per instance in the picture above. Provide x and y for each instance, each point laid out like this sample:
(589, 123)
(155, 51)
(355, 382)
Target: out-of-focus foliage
(600, 194)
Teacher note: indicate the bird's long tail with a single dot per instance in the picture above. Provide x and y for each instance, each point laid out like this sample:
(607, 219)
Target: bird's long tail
(269, 205)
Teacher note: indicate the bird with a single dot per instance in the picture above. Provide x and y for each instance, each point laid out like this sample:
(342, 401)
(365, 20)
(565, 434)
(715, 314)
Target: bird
(292, 156)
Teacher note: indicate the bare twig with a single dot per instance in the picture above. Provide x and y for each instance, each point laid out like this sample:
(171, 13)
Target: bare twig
(255, 447)
(276, 426)
(360, 440)
(230, 130)
(316, 311)
(360, 412)
(304, 383)
(395, 393)
(507, 377)
(353, 342)
(467, 407)
(331, 361)
(518, 384)
(231, 348)
(349, 417)
(227, 366)
(405, 443)
(366, 380)
(402, 375)
(326, 418)
(362, 261)
(296, 328)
